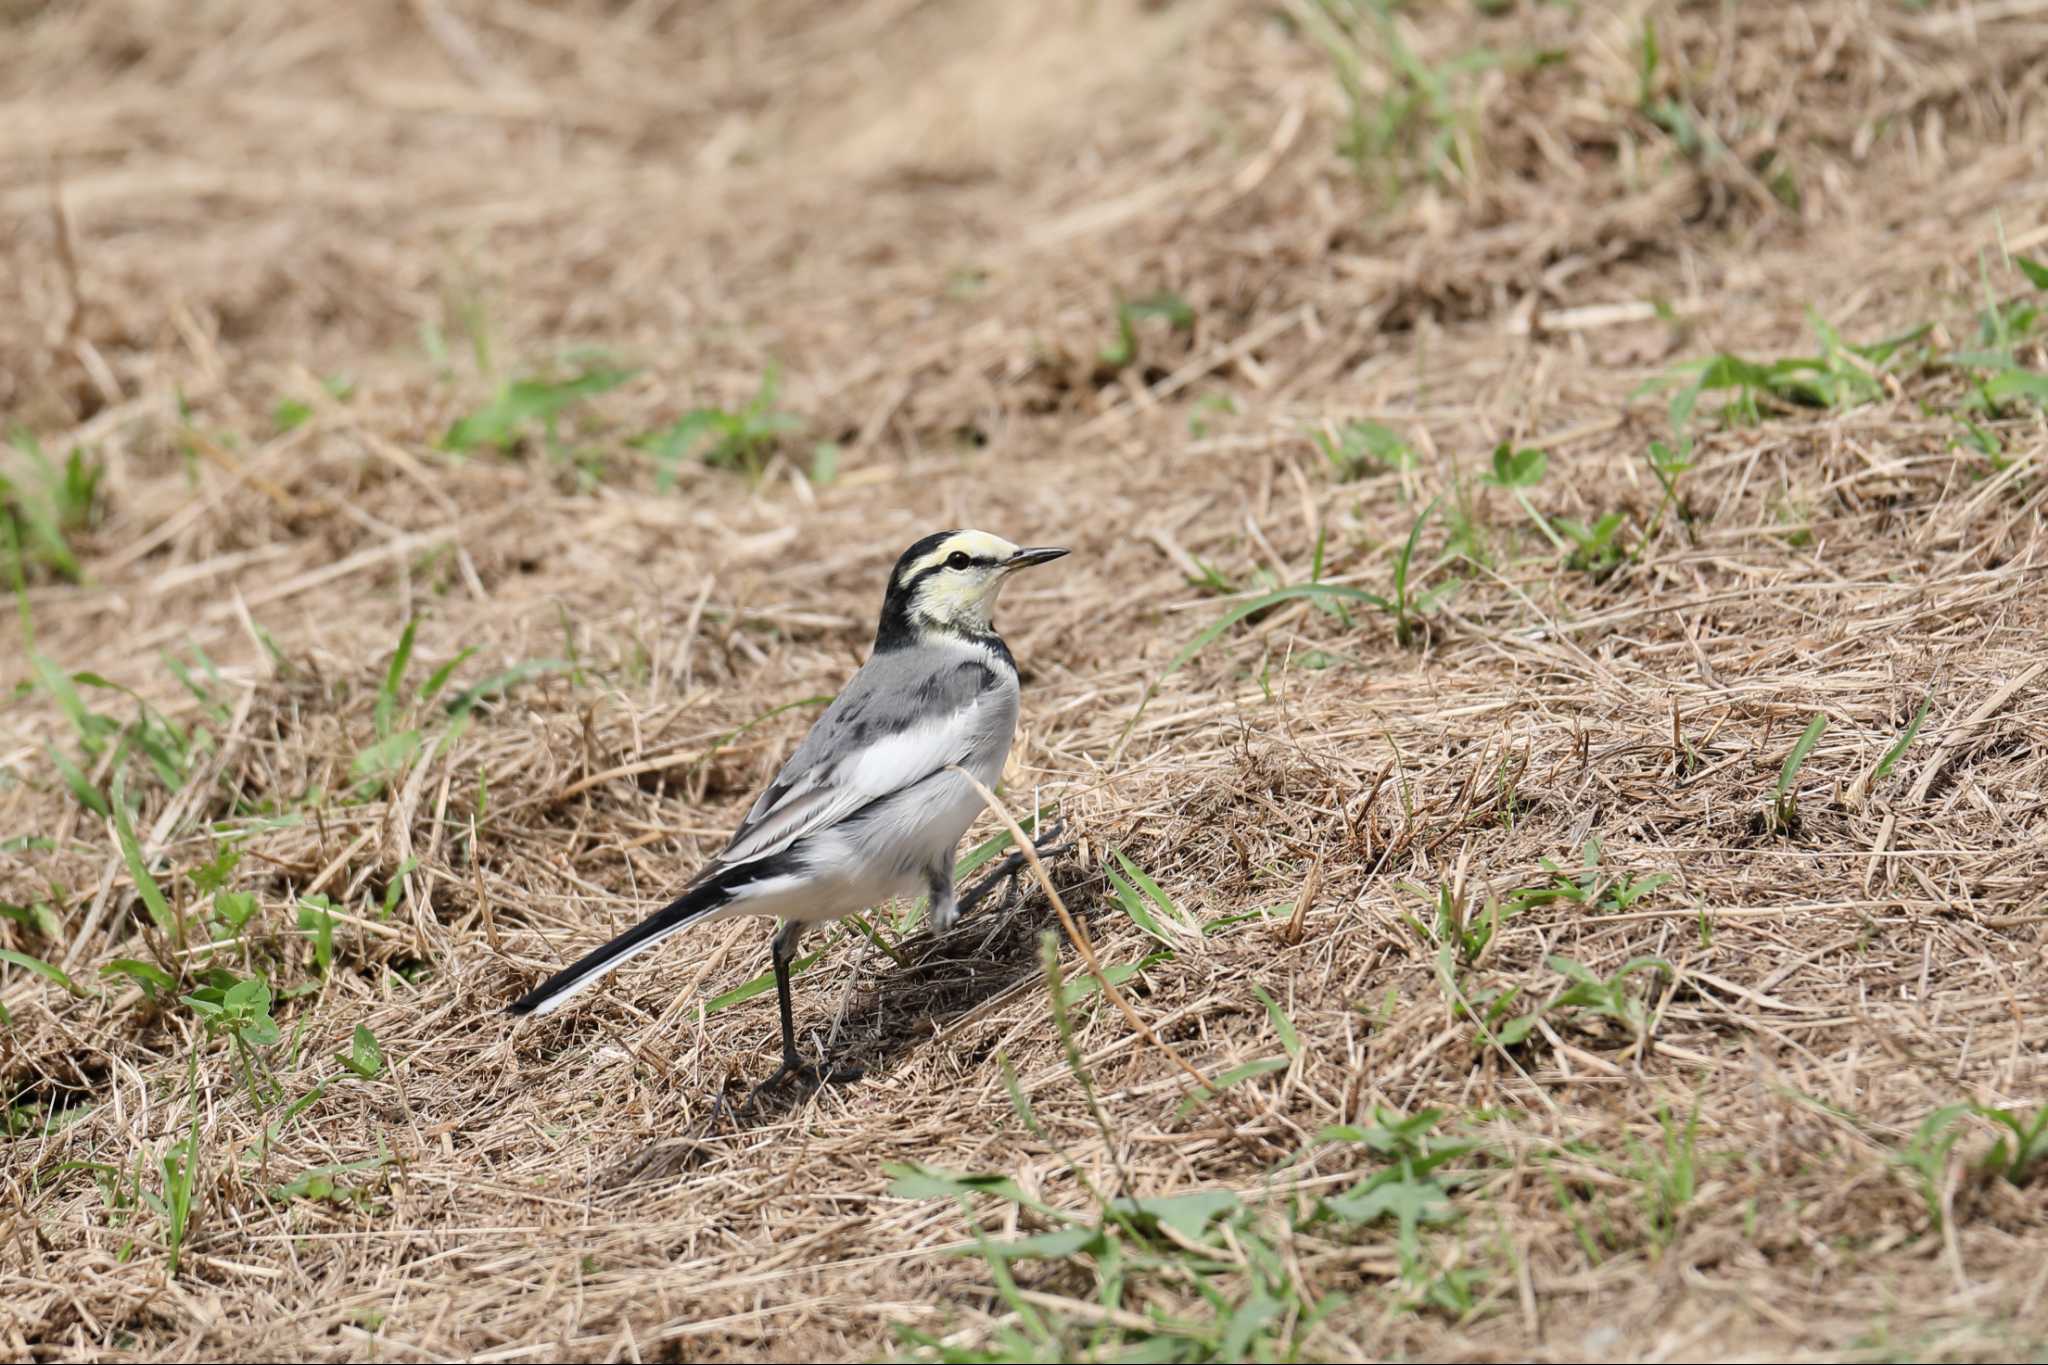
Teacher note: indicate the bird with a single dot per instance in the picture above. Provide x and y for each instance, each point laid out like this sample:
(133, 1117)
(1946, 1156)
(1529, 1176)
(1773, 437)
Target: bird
(872, 803)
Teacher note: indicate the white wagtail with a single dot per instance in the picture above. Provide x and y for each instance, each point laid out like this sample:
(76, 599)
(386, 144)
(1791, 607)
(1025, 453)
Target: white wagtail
(868, 808)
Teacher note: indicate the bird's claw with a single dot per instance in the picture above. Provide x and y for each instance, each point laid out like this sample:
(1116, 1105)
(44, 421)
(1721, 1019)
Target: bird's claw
(1009, 867)
(811, 1074)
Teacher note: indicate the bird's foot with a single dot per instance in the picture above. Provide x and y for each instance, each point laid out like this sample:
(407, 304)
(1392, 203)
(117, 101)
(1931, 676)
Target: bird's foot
(1008, 868)
(810, 1075)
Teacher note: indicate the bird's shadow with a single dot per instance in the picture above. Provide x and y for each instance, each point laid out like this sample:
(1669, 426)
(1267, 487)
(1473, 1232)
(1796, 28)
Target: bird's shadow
(896, 1005)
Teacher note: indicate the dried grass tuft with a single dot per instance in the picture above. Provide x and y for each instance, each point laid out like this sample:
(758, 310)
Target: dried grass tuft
(257, 260)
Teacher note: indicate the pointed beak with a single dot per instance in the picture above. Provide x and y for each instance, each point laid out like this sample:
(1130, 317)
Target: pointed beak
(1037, 554)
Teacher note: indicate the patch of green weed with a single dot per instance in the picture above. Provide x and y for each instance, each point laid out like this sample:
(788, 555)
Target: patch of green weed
(1359, 447)
(1782, 815)
(1165, 305)
(517, 407)
(43, 504)
(741, 439)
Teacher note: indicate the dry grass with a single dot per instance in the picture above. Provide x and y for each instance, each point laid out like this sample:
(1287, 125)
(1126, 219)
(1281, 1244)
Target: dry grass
(922, 214)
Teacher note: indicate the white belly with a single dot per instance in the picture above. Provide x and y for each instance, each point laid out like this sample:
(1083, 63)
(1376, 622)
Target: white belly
(882, 856)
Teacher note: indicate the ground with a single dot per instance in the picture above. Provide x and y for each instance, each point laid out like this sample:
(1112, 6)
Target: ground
(1548, 698)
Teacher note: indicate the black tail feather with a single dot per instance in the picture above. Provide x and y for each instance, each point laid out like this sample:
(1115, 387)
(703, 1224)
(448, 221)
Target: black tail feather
(694, 904)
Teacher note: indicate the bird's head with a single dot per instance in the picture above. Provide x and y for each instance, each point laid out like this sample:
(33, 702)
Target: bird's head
(948, 583)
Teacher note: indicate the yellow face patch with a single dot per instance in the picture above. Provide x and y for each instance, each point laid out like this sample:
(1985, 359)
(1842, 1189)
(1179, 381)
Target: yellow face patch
(959, 594)
(974, 544)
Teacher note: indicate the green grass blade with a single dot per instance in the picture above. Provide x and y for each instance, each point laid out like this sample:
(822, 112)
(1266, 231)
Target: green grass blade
(988, 848)
(1332, 591)
(2017, 384)
(131, 850)
(43, 969)
(463, 702)
(1265, 1066)
(387, 695)
(438, 679)
(58, 684)
(147, 975)
(1282, 1025)
(764, 982)
(1083, 987)
(1898, 750)
(1134, 906)
(734, 735)
(1151, 888)
(1793, 761)
(87, 794)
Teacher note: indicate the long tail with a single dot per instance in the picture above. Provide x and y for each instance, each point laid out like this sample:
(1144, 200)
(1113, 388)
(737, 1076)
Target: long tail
(693, 906)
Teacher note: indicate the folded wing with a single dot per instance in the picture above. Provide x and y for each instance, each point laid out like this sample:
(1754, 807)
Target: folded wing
(889, 730)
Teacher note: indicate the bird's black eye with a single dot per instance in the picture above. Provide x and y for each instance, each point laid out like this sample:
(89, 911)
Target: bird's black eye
(958, 560)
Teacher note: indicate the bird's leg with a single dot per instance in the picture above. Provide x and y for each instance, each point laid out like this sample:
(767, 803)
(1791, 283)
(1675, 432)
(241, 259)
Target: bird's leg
(944, 909)
(781, 953)
(1010, 866)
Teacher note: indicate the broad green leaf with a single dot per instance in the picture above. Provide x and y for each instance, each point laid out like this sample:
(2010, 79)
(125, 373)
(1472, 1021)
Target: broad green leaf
(1245, 1322)
(525, 402)
(1408, 1201)
(1187, 1214)
(1516, 468)
(673, 444)
(1515, 1030)
(1361, 441)
(1575, 971)
(915, 1180)
(249, 997)
(235, 907)
(2017, 384)
(365, 1055)
(1049, 1246)
(319, 1182)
